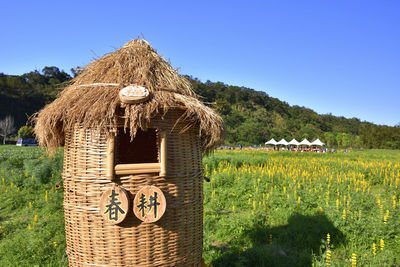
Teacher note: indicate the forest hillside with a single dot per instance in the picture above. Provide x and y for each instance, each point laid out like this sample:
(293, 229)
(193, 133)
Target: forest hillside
(251, 117)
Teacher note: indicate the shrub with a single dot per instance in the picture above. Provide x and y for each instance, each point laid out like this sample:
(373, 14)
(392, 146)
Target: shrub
(26, 132)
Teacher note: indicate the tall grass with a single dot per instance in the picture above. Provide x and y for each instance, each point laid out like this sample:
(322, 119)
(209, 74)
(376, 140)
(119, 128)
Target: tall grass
(31, 215)
(261, 208)
(277, 208)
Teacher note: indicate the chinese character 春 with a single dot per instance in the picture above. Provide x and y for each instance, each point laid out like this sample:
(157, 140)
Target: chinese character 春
(113, 207)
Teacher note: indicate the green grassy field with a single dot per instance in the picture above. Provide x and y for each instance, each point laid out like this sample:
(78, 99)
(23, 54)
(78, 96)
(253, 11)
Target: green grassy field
(261, 208)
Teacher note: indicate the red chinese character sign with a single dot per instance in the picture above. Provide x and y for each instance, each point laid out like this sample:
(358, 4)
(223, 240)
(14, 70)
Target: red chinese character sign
(114, 205)
(149, 204)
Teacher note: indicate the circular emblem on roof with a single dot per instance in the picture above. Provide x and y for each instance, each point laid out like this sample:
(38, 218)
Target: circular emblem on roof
(133, 94)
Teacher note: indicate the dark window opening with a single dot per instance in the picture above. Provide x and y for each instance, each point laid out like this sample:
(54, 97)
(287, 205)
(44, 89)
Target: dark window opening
(142, 149)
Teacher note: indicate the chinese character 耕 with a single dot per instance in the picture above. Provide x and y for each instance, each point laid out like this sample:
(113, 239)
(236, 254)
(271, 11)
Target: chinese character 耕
(154, 203)
(142, 205)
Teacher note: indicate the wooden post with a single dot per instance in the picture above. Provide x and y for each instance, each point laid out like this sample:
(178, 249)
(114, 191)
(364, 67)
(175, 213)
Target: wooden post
(110, 156)
(163, 153)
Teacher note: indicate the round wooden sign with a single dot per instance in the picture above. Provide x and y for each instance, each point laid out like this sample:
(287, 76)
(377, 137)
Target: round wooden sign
(114, 205)
(149, 204)
(133, 94)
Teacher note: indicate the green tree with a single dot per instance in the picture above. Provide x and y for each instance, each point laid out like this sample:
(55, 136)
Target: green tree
(251, 132)
(330, 139)
(76, 71)
(339, 137)
(310, 132)
(26, 132)
(222, 106)
(357, 143)
(346, 139)
(55, 74)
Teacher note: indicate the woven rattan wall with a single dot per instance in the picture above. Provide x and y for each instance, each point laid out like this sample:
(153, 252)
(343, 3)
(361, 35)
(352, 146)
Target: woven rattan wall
(175, 240)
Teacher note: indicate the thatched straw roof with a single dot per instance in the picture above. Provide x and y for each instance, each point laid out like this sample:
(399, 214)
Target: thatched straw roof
(91, 99)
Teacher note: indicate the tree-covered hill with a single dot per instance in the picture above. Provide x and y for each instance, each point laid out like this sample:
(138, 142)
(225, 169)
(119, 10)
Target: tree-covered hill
(21, 96)
(251, 117)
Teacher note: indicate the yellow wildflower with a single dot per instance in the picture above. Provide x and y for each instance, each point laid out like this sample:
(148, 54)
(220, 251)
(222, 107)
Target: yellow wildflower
(354, 260)
(320, 210)
(328, 239)
(328, 258)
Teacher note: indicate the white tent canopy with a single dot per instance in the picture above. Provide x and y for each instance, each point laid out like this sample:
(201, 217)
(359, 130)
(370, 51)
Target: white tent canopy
(317, 143)
(293, 142)
(271, 142)
(283, 142)
(305, 142)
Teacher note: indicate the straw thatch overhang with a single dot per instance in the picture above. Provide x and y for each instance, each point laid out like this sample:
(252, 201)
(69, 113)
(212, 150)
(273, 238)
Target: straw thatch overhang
(92, 100)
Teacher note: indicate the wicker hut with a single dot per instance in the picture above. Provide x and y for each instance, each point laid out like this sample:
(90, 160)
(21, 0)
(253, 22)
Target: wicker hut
(114, 140)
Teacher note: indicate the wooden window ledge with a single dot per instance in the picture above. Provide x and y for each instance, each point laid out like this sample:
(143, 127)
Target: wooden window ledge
(126, 169)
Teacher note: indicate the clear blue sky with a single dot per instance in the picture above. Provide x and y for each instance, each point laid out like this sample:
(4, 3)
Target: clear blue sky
(339, 57)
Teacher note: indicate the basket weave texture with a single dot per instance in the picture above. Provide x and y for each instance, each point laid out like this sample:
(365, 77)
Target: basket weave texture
(175, 240)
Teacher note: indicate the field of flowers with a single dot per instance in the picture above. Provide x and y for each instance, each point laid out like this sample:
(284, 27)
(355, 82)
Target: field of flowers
(260, 208)
(31, 211)
(302, 209)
